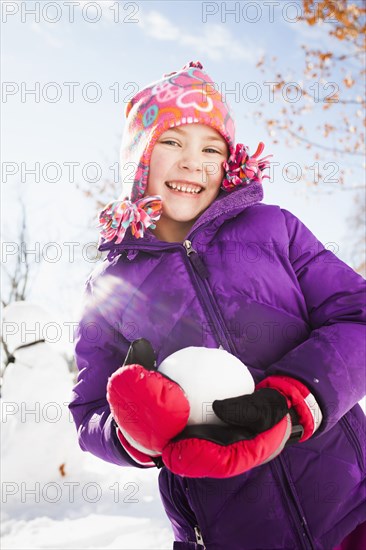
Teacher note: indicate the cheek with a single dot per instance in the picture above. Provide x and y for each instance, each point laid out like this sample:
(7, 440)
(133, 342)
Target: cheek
(155, 169)
(159, 164)
(217, 178)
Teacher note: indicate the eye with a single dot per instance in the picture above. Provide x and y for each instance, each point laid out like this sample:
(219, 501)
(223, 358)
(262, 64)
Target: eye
(211, 150)
(170, 141)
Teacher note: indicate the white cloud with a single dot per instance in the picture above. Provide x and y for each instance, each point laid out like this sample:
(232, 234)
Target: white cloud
(158, 26)
(214, 42)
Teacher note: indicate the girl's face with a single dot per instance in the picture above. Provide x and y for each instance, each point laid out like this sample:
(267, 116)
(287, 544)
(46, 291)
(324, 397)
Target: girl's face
(186, 171)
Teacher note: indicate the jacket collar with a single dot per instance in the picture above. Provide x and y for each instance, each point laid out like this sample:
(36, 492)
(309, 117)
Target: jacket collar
(224, 207)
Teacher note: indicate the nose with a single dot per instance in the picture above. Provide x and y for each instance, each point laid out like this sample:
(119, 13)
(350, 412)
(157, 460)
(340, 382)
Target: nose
(191, 160)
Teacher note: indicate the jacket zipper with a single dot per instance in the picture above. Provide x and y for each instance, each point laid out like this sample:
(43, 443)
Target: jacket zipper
(294, 506)
(197, 530)
(224, 339)
(189, 517)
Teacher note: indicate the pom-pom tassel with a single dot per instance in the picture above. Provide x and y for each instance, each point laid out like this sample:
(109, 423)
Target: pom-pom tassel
(241, 168)
(117, 216)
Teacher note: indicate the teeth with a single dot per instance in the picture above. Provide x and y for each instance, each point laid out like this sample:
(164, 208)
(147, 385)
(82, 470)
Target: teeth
(183, 188)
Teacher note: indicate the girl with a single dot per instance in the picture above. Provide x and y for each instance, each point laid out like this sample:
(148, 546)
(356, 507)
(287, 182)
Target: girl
(196, 259)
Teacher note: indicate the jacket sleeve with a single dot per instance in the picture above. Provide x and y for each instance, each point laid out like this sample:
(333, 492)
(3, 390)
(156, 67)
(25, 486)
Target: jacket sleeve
(331, 362)
(99, 350)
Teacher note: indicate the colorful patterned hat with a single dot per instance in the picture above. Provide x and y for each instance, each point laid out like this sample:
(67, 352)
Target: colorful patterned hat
(185, 97)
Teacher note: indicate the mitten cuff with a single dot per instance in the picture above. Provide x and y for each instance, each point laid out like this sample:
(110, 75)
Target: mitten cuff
(141, 458)
(300, 398)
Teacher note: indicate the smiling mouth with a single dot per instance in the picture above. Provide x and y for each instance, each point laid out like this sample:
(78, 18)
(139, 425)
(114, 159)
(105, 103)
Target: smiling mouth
(187, 188)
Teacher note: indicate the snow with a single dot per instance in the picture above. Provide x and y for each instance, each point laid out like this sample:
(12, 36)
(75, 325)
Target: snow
(94, 508)
(92, 531)
(53, 494)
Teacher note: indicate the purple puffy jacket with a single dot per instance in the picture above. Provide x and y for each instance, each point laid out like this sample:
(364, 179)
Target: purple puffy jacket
(260, 284)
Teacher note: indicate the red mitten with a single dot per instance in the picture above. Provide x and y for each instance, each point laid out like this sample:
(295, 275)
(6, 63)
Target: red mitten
(258, 426)
(300, 400)
(149, 408)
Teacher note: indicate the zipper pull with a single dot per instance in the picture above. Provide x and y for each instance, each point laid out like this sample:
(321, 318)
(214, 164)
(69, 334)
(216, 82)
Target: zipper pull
(188, 246)
(199, 539)
(195, 260)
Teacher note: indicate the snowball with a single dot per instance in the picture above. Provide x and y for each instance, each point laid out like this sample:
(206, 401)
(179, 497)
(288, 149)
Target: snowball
(206, 374)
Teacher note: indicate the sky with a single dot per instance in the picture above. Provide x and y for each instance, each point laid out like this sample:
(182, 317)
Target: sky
(83, 60)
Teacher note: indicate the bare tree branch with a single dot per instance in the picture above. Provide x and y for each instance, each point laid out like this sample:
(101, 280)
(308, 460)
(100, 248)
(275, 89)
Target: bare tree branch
(319, 145)
(18, 273)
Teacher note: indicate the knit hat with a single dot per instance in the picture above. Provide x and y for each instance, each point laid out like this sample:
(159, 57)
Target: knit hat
(185, 97)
